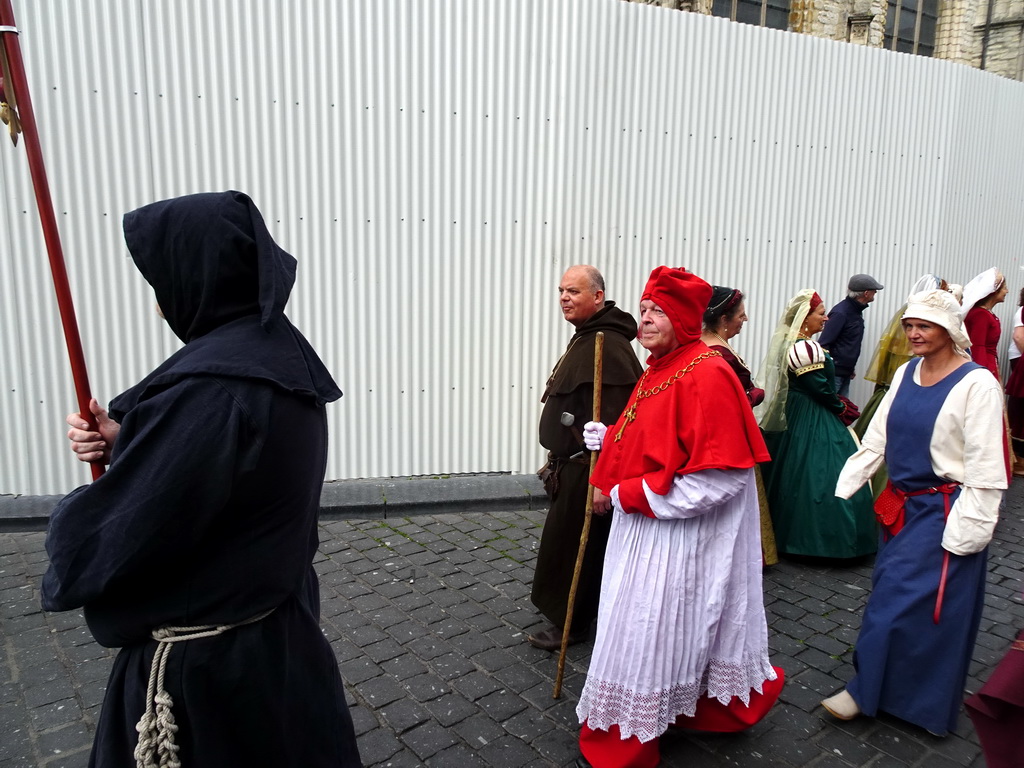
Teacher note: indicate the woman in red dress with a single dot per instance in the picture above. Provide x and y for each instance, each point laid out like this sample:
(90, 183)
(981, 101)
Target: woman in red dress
(980, 296)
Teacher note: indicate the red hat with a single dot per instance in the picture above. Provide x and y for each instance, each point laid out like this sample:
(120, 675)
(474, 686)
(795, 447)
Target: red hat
(682, 296)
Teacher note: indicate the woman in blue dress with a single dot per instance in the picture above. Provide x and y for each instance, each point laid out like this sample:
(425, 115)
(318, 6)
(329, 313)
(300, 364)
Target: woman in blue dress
(939, 430)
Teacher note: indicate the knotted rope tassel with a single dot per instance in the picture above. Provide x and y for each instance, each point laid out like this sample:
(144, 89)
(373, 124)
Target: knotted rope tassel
(156, 747)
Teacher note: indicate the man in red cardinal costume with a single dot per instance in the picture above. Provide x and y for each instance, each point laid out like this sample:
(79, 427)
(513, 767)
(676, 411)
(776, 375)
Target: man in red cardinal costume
(681, 632)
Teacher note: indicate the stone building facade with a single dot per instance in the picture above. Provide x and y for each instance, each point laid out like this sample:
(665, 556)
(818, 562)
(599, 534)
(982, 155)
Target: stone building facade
(987, 34)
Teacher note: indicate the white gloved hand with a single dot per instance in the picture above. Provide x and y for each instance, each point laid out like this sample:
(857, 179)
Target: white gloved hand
(593, 435)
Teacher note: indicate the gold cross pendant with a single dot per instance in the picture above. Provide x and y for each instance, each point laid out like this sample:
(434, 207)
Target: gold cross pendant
(629, 415)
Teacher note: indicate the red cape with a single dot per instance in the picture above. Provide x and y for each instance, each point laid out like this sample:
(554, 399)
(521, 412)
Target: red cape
(702, 420)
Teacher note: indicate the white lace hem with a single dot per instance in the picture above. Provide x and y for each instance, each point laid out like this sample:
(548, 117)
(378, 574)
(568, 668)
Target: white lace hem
(648, 714)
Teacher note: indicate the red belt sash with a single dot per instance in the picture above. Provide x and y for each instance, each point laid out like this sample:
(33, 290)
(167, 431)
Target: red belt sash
(889, 509)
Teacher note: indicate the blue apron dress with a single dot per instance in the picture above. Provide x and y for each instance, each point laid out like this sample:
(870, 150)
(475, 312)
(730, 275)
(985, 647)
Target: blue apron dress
(906, 664)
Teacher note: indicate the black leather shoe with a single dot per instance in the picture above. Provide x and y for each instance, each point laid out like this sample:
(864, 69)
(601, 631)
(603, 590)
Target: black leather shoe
(581, 762)
(550, 639)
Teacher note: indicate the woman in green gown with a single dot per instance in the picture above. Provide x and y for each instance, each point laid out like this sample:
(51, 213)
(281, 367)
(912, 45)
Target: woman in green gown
(809, 443)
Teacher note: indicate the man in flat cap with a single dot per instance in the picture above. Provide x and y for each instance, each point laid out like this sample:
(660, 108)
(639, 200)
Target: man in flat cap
(844, 331)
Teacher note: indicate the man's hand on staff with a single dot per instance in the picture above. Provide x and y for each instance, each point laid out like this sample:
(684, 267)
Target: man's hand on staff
(593, 435)
(593, 438)
(89, 446)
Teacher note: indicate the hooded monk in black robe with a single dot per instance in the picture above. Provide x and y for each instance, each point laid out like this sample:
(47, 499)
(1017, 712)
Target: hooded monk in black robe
(207, 515)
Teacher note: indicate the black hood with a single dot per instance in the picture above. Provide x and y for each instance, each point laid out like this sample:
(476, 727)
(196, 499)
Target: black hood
(210, 260)
(222, 284)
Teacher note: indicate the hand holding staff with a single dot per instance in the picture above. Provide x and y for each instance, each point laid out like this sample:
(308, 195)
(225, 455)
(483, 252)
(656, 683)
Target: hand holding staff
(588, 516)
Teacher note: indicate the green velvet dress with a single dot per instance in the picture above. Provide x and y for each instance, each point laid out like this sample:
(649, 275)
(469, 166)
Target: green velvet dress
(801, 479)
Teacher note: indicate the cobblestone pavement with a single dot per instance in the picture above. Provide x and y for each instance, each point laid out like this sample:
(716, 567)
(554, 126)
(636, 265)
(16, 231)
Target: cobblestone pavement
(428, 616)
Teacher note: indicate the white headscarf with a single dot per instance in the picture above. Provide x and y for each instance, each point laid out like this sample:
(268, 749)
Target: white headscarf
(939, 307)
(981, 286)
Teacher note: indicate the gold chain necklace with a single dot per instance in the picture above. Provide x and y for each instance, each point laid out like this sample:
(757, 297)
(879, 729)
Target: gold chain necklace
(642, 394)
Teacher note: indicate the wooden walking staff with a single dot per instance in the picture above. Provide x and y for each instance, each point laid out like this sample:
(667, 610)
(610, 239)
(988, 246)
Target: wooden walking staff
(588, 516)
(18, 105)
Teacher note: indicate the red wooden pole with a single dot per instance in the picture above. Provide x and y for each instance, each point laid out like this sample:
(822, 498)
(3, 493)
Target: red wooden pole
(19, 86)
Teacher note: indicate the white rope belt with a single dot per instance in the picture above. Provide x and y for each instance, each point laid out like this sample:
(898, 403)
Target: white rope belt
(157, 727)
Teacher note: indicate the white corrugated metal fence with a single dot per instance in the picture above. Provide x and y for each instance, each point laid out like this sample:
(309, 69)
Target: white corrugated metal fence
(435, 166)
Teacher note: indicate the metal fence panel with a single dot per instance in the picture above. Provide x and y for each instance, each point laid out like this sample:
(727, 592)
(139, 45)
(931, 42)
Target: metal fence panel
(435, 166)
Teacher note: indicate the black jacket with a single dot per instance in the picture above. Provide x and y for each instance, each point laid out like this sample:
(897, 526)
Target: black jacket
(843, 335)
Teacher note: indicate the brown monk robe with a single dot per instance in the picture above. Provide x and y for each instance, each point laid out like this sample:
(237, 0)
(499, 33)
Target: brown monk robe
(570, 390)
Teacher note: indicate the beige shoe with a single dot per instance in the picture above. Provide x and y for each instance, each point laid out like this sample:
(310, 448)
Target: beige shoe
(841, 705)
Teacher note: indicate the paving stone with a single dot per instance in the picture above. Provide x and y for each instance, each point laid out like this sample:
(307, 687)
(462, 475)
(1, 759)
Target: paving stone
(426, 687)
(448, 627)
(49, 692)
(385, 650)
(816, 659)
(380, 691)
(501, 705)
(55, 715)
(404, 667)
(471, 643)
(68, 745)
(827, 645)
(403, 715)
(896, 744)
(527, 726)
(428, 647)
(508, 752)
(452, 665)
(428, 739)
(346, 651)
(362, 720)
(494, 659)
(451, 709)
(792, 629)
(359, 670)
(517, 677)
(377, 746)
(483, 622)
(787, 610)
(846, 746)
(407, 631)
(458, 756)
(475, 685)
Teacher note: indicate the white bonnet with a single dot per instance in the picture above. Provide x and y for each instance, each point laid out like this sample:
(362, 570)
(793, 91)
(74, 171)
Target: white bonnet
(981, 286)
(941, 308)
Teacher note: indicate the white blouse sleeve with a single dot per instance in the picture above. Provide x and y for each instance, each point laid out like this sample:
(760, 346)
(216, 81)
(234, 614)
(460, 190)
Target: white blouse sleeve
(972, 519)
(862, 465)
(699, 493)
(858, 469)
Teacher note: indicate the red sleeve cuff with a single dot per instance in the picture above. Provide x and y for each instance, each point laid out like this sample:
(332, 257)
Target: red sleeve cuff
(632, 497)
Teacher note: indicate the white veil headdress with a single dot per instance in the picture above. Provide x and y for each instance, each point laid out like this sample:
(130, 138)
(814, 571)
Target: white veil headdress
(773, 377)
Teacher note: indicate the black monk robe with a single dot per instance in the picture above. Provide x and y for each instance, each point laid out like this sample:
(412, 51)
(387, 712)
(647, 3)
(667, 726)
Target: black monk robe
(208, 511)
